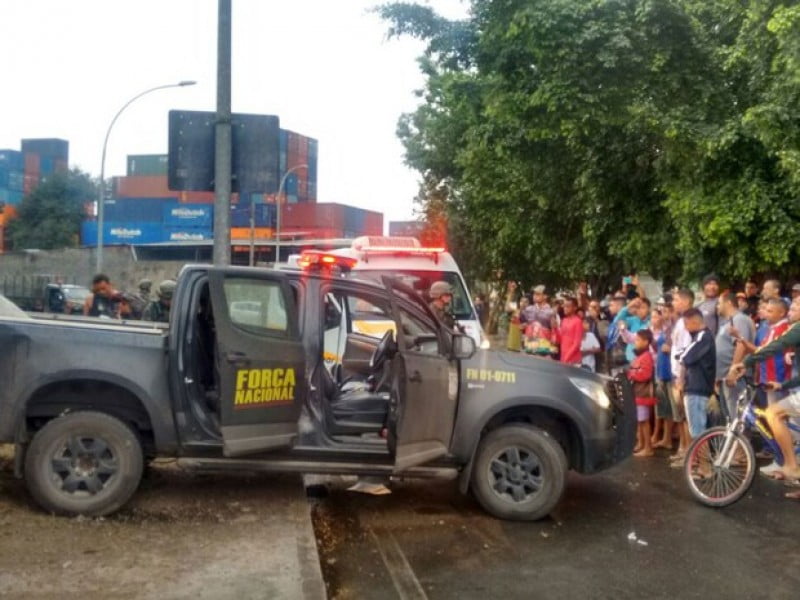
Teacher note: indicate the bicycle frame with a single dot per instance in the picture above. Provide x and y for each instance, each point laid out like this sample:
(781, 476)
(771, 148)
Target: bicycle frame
(751, 418)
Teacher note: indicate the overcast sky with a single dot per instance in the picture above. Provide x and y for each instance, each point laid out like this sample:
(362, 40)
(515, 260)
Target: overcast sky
(323, 66)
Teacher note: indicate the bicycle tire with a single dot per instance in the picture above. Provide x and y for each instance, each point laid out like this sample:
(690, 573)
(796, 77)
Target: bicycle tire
(719, 486)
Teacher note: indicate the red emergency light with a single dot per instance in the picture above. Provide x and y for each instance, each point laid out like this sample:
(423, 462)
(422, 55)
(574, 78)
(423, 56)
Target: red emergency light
(310, 259)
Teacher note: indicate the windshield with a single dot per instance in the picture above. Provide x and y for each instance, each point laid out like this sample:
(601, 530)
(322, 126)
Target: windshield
(78, 294)
(421, 281)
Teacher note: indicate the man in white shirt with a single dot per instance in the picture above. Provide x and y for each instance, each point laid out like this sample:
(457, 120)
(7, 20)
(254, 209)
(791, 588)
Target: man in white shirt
(682, 301)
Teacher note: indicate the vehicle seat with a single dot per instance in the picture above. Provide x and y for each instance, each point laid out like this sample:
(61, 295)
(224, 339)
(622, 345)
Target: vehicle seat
(356, 407)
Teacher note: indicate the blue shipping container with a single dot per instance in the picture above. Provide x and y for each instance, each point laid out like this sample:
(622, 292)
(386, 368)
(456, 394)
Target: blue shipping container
(122, 234)
(46, 165)
(188, 215)
(187, 234)
(290, 187)
(12, 160)
(10, 197)
(150, 210)
(264, 215)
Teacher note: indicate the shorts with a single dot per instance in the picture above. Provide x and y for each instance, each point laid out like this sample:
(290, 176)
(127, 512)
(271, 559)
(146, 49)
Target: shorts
(791, 404)
(642, 413)
(696, 413)
(678, 410)
(664, 397)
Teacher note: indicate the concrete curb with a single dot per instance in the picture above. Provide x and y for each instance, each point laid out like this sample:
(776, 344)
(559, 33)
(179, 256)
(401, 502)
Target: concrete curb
(307, 555)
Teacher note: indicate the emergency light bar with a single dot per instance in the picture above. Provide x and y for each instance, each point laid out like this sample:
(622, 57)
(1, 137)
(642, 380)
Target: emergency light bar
(399, 246)
(316, 258)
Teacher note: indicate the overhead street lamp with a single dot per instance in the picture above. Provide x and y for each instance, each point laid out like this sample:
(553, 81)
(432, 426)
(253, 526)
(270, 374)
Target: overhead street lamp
(102, 197)
(277, 218)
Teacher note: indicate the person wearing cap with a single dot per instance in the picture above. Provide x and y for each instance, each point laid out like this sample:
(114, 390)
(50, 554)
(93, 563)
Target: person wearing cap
(795, 291)
(708, 306)
(441, 294)
(158, 310)
(140, 300)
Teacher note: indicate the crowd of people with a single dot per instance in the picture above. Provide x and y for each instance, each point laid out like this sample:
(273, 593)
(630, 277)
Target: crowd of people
(107, 302)
(684, 355)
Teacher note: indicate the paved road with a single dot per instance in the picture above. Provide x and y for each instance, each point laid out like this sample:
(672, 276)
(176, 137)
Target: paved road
(427, 541)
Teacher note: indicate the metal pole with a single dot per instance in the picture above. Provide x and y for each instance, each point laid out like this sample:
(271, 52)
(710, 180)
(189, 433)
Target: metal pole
(223, 150)
(252, 230)
(278, 214)
(101, 199)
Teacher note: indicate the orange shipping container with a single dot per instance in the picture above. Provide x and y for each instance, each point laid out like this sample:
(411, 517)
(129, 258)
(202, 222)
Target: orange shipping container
(9, 212)
(243, 233)
(201, 197)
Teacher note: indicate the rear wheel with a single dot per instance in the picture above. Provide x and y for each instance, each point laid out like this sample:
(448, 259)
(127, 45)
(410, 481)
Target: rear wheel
(519, 473)
(84, 463)
(725, 483)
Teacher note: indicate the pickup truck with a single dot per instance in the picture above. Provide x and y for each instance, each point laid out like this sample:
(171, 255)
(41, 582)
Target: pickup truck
(267, 370)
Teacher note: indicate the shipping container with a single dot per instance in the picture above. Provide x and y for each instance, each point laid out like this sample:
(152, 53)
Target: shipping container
(9, 212)
(373, 224)
(188, 215)
(46, 165)
(60, 165)
(32, 164)
(143, 186)
(202, 197)
(47, 147)
(143, 210)
(147, 164)
(264, 215)
(12, 160)
(121, 234)
(328, 215)
(187, 234)
(259, 233)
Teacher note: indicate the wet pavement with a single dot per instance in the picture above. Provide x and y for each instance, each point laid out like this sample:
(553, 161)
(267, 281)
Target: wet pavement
(631, 532)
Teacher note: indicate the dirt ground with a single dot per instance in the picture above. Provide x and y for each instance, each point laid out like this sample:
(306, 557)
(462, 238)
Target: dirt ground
(184, 535)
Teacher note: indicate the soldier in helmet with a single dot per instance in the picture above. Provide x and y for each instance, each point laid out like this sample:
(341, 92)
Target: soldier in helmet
(158, 310)
(139, 302)
(441, 294)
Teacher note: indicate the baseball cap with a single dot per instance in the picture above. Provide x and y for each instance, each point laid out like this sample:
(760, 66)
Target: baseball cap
(539, 289)
(796, 287)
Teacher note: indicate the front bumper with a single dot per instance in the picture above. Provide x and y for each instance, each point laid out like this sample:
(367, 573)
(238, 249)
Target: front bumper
(615, 444)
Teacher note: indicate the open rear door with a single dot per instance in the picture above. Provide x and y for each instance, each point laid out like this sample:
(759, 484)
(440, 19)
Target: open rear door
(424, 383)
(260, 358)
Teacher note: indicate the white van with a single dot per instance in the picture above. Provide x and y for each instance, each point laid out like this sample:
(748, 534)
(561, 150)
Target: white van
(418, 267)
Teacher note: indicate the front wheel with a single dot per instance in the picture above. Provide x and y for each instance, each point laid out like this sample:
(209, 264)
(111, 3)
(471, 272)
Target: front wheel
(715, 479)
(83, 463)
(519, 473)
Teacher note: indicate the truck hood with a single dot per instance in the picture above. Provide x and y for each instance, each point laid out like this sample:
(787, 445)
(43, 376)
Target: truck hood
(499, 359)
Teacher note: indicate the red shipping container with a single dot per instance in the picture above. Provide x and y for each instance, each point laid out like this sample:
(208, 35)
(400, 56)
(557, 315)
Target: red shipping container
(202, 197)
(29, 183)
(373, 223)
(144, 186)
(32, 163)
(328, 215)
(60, 165)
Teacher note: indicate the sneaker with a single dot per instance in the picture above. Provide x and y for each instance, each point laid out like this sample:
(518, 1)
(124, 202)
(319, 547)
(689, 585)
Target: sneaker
(764, 454)
(769, 469)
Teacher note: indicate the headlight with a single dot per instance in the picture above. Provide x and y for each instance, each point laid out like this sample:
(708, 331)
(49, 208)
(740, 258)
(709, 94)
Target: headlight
(594, 390)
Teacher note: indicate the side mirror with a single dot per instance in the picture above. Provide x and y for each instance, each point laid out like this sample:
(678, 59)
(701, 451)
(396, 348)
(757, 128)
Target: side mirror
(463, 346)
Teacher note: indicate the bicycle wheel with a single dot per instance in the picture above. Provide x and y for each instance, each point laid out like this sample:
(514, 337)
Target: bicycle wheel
(721, 485)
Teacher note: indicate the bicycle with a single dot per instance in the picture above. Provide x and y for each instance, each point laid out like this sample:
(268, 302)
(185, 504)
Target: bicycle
(721, 463)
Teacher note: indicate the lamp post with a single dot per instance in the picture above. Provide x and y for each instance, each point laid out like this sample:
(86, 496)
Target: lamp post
(102, 197)
(277, 217)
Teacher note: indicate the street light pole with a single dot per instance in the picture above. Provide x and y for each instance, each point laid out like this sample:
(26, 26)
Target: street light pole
(102, 196)
(277, 216)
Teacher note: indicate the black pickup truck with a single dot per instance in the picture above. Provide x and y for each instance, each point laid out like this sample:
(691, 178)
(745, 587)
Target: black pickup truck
(303, 372)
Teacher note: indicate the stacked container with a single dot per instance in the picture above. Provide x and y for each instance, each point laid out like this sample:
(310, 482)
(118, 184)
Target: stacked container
(329, 220)
(43, 158)
(297, 150)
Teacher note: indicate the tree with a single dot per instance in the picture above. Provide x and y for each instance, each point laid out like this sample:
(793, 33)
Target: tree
(50, 216)
(571, 139)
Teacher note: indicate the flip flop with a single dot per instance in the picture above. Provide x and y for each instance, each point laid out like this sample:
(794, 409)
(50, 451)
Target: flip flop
(792, 495)
(792, 483)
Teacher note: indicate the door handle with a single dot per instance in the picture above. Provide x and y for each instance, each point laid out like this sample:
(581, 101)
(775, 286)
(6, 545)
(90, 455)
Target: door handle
(415, 377)
(236, 357)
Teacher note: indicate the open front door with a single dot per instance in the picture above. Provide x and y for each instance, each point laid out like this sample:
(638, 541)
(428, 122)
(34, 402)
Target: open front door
(425, 383)
(260, 359)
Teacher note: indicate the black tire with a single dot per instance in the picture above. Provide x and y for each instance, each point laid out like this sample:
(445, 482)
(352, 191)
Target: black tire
(719, 486)
(519, 473)
(83, 463)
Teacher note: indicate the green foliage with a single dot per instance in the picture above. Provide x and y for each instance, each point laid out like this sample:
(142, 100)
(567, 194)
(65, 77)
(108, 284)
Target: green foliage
(570, 139)
(50, 217)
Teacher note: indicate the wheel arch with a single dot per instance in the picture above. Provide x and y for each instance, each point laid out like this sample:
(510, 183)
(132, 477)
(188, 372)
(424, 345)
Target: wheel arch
(545, 414)
(101, 392)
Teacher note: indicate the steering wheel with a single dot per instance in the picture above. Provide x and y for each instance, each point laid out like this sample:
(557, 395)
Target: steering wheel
(381, 352)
